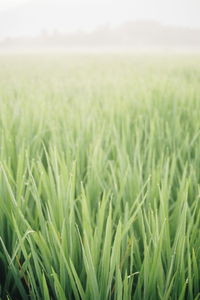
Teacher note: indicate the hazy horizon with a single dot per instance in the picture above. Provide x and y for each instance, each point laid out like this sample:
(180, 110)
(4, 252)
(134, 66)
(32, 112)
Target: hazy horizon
(30, 18)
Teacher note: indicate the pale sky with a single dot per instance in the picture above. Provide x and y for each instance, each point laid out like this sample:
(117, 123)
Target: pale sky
(29, 17)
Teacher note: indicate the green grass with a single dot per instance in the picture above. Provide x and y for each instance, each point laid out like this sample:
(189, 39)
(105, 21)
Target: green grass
(99, 177)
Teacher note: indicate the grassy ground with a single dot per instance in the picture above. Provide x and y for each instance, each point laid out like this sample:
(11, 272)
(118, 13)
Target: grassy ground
(99, 177)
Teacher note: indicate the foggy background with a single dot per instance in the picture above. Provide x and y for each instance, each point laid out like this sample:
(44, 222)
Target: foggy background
(100, 24)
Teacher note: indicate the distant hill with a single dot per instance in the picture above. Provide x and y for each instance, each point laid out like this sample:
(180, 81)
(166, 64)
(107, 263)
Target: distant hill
(136, 34)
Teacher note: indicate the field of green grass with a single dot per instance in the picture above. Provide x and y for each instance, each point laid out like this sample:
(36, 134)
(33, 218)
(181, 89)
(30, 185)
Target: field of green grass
(99, 177)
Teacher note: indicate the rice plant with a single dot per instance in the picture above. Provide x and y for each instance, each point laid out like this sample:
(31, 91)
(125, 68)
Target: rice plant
(99, 177)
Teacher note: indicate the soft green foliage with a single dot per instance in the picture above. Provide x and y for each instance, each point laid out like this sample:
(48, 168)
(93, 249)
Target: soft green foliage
(99, 177)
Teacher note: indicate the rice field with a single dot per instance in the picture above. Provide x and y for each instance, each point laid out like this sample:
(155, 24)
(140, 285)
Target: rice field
(99, 177)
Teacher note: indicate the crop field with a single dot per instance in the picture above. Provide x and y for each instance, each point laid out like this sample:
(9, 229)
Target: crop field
(99, 177)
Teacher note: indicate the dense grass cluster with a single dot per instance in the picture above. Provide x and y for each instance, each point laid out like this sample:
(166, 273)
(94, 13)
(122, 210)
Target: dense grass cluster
(99, 177)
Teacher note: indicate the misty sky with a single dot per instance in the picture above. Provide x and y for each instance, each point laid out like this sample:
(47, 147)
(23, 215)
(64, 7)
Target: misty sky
(30, 17)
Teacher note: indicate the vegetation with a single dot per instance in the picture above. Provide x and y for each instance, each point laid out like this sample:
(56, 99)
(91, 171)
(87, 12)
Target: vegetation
(99, 177)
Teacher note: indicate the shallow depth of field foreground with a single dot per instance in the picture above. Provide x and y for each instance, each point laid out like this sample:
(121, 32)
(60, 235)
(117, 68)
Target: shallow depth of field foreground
(99, 177)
